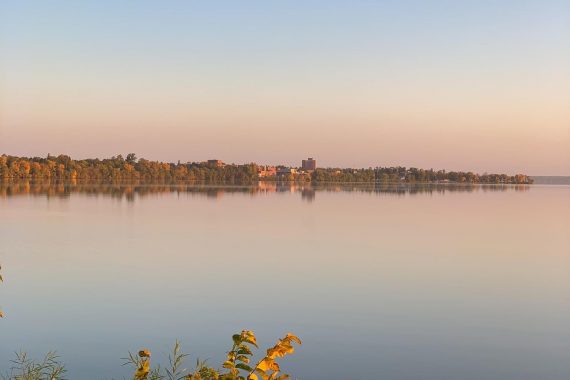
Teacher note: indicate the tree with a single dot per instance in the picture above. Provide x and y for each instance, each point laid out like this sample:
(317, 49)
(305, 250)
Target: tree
(131, 158)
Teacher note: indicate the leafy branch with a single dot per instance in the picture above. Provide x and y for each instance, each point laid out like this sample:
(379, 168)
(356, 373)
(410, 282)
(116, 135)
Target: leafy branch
(235, 367)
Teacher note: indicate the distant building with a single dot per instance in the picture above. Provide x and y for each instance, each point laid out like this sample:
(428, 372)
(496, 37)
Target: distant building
(286, 171)
(266, 171)
(309, 164)
(216, 163)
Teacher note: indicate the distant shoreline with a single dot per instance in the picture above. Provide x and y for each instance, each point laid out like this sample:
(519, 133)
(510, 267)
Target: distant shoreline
(117, 168)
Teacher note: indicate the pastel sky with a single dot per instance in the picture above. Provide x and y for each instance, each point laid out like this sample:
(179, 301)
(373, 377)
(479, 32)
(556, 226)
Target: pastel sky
(470, 85)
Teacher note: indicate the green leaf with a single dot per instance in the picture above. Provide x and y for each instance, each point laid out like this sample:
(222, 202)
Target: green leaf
(244, 350)
(244, 366)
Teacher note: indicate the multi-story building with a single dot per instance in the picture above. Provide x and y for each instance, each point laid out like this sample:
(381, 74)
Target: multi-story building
(309, 164)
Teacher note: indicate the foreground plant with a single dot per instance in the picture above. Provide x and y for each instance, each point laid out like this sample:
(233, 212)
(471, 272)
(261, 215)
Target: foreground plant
(142, 365)
(268, 368)
(25, 368)
(236, 367)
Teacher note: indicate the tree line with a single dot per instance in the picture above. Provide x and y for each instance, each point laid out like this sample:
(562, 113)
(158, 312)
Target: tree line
(119, 168)
(414, 175)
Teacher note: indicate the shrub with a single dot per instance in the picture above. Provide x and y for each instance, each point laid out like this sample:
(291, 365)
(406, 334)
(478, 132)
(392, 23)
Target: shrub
(236, 367)
(25, 368)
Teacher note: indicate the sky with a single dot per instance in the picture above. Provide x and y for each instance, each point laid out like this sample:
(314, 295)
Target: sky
(458, 85)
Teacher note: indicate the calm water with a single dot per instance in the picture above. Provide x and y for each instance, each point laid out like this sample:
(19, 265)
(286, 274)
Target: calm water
(429, 283)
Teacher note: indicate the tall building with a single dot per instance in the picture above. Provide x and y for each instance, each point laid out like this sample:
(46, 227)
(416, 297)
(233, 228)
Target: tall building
(309, 164)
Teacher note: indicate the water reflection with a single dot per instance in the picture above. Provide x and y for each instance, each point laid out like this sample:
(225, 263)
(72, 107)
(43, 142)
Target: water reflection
(129, 191)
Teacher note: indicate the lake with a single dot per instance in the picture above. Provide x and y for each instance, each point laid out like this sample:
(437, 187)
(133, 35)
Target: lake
(380, 282)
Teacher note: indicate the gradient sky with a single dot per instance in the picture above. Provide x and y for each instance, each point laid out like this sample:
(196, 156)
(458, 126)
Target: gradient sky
(471, 85)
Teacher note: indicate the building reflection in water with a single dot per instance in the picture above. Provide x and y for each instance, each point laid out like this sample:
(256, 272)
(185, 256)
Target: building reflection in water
(308, 194)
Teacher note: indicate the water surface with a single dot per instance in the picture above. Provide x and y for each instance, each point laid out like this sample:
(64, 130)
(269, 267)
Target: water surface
(388, 282)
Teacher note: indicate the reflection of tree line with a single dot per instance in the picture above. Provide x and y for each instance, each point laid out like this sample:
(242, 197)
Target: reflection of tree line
(308, 191)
